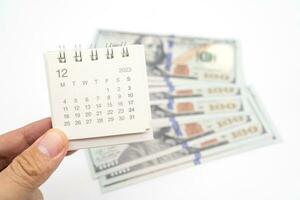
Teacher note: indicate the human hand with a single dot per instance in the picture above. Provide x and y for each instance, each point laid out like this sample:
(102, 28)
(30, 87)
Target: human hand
(28, 156)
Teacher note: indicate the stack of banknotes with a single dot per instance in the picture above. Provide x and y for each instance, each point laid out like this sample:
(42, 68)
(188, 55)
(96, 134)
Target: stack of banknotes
(201, 110)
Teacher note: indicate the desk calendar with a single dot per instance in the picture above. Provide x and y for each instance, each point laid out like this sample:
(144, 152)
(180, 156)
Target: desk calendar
(99, 96)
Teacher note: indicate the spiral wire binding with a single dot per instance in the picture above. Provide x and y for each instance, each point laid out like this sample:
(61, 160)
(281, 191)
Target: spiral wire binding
(125, 52)
(62, 54)
(93, 52)
(78, 55)
(109, 51)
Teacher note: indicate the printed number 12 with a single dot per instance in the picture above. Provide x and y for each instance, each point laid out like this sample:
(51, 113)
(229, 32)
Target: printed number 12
(62, 73)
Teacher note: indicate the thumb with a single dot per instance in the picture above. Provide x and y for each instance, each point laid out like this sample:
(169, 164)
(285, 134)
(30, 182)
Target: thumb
(33, 167)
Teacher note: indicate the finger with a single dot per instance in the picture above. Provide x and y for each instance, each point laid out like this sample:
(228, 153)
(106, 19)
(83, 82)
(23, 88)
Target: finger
(33, 167)
(37, 195)
(15, 142)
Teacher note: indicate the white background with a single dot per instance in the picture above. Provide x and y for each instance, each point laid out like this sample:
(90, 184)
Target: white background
(269, 32)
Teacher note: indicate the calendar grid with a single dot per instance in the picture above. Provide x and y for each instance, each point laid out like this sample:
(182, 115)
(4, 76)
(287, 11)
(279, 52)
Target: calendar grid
(99, 92)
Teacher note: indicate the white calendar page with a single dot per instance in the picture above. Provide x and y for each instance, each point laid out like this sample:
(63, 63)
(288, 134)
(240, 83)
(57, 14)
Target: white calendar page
(99, 97)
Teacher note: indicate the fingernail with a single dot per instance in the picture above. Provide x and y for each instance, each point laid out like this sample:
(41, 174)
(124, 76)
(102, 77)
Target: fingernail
(51, 144)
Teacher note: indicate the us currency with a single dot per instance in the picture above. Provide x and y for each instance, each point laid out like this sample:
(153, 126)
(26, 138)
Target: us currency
(167, 137)
(191, 155)
(174, 82)
(246, 146)
(215, 106)
(195, 106)
(197, 148)
(159, 93)
(200, 148)
(212, 60)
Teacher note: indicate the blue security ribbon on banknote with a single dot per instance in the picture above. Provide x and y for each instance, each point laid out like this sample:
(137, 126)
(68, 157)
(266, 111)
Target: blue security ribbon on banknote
(197, 160)
(170, 103)
(169, 84)
(169, 55)
(184, 145)
(178, 132)
(175, 126)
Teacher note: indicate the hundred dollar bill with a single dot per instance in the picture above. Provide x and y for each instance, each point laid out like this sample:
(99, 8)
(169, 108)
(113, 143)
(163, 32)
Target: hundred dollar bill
(190, 150)
(193, 156)
(172, 82)
(244, 146)
(105, 159)
(195, 106)
(158, 93)
(213, 60)
(199, 148)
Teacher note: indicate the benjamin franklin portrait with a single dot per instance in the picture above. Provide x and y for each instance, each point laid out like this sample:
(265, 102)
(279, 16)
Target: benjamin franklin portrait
(154, 53)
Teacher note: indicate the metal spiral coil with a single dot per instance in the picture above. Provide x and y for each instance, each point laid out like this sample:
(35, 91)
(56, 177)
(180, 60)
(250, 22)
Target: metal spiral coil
(78, 54)
(109, 51)
(94, 55)
(125, 52)
(62, 54)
